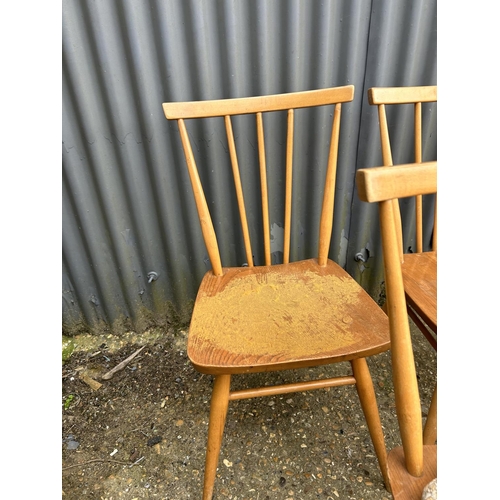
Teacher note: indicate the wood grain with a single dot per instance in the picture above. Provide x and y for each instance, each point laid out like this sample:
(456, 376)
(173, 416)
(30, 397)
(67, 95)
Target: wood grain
(404, 486)
(263, 188)
(278, 317)
(402, 95)
(400, 181)
(409, 281)
(259, 104)
(291, 315)
(382, 96)
(420, 283)
(239, 190)
(404, 375)
(326, 221)
(288, 187)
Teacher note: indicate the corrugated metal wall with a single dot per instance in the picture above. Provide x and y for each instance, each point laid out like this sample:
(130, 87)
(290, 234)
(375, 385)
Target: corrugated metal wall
(127, 204)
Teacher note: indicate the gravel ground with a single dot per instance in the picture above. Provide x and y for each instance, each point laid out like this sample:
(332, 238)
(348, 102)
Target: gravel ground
(142, 434)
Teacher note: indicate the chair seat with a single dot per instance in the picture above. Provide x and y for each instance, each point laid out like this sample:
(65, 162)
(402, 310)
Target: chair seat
(420, 284)
(254, 319)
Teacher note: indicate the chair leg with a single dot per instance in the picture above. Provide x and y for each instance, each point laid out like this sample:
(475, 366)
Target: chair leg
(218, 412)
(430, 429)
(364, 386)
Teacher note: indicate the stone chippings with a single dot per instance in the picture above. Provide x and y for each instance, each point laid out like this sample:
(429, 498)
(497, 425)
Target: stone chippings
(154, 413)
(430, 491)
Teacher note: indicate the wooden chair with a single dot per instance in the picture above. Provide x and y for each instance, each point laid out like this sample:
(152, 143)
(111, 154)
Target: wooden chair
(285, 316)
(414, 465)
(419, 268)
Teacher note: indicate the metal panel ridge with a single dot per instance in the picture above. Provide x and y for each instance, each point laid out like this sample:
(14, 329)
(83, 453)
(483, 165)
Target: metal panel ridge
(128, 210)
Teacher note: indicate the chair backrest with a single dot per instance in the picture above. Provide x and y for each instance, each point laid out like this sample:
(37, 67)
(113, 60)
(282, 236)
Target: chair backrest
(382, 96)
(227, 108)
(384, 185)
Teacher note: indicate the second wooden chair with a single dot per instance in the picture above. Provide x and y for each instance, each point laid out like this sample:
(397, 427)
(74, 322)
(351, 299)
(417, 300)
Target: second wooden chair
(420, 266)
(413, 465)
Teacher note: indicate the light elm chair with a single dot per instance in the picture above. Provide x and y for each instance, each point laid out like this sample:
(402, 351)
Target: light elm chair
(420, 267)
(413, 465)
(263, 318)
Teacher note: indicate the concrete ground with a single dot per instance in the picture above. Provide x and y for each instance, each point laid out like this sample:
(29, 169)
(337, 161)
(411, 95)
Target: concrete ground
(142, 434)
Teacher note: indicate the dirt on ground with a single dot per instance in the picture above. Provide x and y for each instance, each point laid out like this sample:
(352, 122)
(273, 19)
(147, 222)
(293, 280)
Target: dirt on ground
(142, 433)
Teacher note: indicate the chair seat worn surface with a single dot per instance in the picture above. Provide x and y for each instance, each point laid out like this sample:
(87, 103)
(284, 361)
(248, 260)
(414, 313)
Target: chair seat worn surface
(283, 316)
(420, 284)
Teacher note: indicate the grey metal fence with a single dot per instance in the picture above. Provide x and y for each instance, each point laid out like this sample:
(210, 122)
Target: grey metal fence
(128, 210)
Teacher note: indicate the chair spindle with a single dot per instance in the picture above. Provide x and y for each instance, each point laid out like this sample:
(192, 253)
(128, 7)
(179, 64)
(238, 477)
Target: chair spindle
(263, 188)
(239, 190)
(418, 159)
(326, 221)
(387, 160)
(207, 226)
(380, 97)
(288, 187)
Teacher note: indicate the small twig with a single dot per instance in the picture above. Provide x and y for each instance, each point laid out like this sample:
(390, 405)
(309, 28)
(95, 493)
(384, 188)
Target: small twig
(93, 384)
(96, 460)
(70, 428)
(137, 461)
(141, 431)
(121, 365)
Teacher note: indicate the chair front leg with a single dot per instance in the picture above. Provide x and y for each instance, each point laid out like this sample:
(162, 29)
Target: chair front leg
(364, 386)
(218, 412)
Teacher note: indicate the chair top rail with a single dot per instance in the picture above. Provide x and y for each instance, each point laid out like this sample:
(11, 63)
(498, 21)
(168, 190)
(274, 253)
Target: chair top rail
(383, 183)
(259, 104)
(402, 95)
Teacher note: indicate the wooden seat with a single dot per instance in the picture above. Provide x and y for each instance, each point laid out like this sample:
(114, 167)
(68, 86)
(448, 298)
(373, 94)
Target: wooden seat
(414, 465)
(419, 272)
(285, 316)
(420, 284)
(282, 316)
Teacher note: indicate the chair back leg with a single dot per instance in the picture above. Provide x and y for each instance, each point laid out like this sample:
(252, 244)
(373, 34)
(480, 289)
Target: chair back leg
(430, 428)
